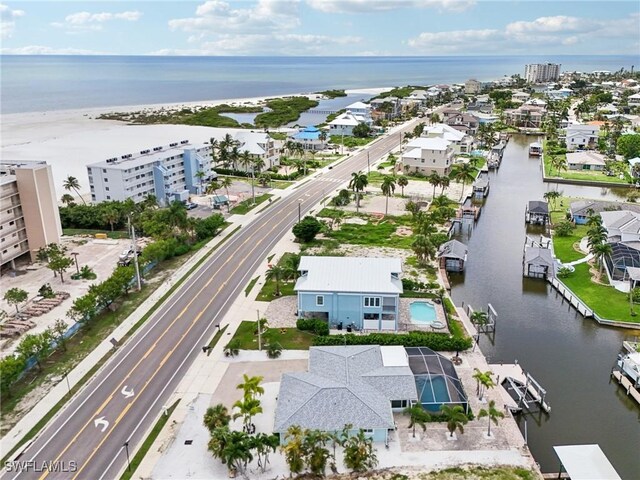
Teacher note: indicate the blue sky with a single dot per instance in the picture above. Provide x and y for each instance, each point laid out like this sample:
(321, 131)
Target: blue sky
(321, 27)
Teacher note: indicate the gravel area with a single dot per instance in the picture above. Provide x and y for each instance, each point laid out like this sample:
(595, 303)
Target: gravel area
(281, 312)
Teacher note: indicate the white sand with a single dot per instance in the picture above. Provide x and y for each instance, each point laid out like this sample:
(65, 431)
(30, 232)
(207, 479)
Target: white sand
(71, 139)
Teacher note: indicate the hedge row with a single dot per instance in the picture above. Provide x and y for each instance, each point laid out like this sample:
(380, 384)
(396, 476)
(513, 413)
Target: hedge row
(242, 173)
(434, 341)
(319, 327)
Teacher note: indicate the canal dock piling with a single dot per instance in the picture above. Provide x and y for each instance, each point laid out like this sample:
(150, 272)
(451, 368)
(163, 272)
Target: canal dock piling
(520, 390)
(628, 386)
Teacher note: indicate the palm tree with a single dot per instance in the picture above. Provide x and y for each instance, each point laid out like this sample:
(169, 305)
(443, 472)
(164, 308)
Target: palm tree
(485, 382)
(423, 248)
(434, 179)
(558, 162)
(276, 273)
(456, 418)
(213, 187)
(594, 220)
(600, 252)
(551, 196)
(216, 416)
(111, 215)
(444, 183)
(251, 386)
(464, 173)
(247, 409)
(417, 416)
(293, 449)
(67, 199)
(323, 137)
(388, 187)
(72, 183)
(479, 318)
(358, 183)
(597, 235)
(200, 176)
(225, 183)
(402, 182)
(247, 162)
(214, 146)
(492, 413)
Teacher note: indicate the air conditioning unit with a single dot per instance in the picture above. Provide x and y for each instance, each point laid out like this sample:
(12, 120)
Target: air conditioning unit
(173, 144)
(184, 141)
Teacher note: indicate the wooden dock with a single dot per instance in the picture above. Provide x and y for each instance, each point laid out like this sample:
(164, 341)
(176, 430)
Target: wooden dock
(627, 385)
(533, 389)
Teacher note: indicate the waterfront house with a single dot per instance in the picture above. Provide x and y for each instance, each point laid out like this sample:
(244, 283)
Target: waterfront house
(420, 96)
(360, 385)
(309, 138)
(480, 187)
(259, 145)
(580, 210)
(452, 256)
(537, 212)
(621, 225)
(520, 97)
(580, 137)
(461, 142)
(586, 160)
(350, 292)
(447, 113)
(385, 108)
(465, 122)
(428, 155)
(537, 262)
(634, 100)
(344, 123)
(524, 116)
(359, 108)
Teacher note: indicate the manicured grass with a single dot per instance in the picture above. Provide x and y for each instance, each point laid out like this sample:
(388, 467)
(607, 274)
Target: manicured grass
(247, 205)
(476, 472)
(563, 246)
(380, 234)
(216, 338)
(86, 231)
(250, 286)
(581, 175)
(289, 338)
(606, 301)
(144, 448)
(351, 141)
(268, 292)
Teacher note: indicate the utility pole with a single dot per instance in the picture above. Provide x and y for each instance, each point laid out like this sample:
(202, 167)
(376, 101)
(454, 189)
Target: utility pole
(135, 252)
(368, 164)
(259, 332)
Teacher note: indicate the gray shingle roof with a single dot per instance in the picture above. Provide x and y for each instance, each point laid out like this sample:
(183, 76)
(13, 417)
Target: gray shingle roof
(349, 274)
(344, 385)
(538, 256)
(581, 207)
(537, 206)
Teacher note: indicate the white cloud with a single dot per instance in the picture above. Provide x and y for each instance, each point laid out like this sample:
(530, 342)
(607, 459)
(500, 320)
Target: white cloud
(80, 22)
(216, 17)
(257, 44)
(8, 20)
(520, 36)
(368, 6)
(43, 50)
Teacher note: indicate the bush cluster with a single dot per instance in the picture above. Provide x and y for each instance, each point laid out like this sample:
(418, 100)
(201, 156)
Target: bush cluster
(434, 341)
(319, 327)
(242, 173)
(417, 285)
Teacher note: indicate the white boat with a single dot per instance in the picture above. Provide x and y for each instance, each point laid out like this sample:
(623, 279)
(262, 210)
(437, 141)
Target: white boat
(535, 149)
(630, 365)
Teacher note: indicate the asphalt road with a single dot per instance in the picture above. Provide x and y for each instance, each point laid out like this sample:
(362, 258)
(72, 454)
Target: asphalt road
(86, 441)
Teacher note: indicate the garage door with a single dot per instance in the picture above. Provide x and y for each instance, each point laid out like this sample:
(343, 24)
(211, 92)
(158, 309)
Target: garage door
(371, 324)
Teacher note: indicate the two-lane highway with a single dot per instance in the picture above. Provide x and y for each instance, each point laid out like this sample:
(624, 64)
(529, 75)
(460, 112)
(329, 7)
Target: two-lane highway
(86, 440)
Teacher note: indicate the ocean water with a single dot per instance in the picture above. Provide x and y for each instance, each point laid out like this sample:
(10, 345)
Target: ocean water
(42, 83)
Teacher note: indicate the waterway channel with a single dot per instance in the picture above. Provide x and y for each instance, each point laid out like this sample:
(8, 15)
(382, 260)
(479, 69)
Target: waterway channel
(570, 356)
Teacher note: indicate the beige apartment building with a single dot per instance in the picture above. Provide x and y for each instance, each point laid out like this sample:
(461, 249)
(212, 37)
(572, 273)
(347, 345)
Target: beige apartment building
(29, 218)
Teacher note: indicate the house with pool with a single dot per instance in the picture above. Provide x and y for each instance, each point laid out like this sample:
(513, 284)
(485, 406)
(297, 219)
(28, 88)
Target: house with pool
(364, 385)
(350, 292)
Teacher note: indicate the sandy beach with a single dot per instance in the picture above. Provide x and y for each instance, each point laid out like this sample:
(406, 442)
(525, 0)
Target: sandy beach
(71, 139)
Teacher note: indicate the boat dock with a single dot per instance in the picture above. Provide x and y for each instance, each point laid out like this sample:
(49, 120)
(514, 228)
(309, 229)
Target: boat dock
(622, 379)
(519, 390)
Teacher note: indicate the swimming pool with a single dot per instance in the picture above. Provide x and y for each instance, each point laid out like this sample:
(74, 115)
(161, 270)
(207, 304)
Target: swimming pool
(422, 313)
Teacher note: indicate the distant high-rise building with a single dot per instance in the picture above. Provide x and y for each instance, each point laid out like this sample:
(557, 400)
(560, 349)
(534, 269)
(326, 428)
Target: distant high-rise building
(542, 72)
(29, 219)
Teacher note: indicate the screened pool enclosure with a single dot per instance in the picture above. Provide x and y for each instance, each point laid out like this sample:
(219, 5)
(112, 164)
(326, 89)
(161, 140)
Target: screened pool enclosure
(436, 379)
(622, 256)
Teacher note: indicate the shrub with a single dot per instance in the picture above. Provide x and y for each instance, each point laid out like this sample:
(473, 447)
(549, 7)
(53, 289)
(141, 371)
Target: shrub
(46, 291)
(432, 340)
(274, 350)
(564, 229)
(241, 173)
(314, 325)
(307, 229)
(232, 348)
(564, 272)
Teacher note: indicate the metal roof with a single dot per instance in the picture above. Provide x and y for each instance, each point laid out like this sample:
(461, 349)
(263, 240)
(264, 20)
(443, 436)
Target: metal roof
(453, 249)
(425, 143)
(538, 256)
(349, 274)
(586, 462)
(585, 158)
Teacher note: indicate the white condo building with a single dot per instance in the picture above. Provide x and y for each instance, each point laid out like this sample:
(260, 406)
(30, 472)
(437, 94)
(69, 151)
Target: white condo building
(166, 171)
(542, 72)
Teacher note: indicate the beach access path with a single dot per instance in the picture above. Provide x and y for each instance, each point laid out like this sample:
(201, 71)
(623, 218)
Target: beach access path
(120, 403)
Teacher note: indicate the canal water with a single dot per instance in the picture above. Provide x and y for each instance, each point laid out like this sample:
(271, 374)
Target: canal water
(570, 356)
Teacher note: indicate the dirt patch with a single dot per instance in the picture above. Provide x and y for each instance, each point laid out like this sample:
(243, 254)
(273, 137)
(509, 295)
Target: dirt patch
(404, 231)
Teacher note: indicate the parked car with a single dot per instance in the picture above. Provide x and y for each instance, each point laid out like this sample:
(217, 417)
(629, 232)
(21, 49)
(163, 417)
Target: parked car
(191, 205)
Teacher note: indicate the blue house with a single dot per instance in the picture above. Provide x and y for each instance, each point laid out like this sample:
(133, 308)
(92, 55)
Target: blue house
(350, 292)
(309, 138)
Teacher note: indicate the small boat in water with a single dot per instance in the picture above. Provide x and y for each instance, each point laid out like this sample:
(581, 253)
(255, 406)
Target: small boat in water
(629, 364)
(535, 149)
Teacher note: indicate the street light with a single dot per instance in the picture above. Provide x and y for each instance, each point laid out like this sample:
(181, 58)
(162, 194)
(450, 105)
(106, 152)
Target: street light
(299, 210)
(75, 256)
(126, 448)
(66, 376)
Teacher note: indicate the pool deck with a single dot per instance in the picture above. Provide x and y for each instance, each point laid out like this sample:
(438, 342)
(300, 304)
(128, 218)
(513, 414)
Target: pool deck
(405, 323)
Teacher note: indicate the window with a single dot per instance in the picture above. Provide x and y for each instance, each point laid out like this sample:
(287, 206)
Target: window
(108, 197)
(371, 301)
(319, 300)
(106, 188)
(104, 170)
(398, 404)
(106, 180)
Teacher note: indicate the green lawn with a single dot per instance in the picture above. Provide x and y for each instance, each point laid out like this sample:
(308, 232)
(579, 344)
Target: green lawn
(250, 286)
(248, 205)
(581, 175)
(606, 301)
(563, 246)
(380, 234)
(351, 141)
(268, 292)
(289, 338)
